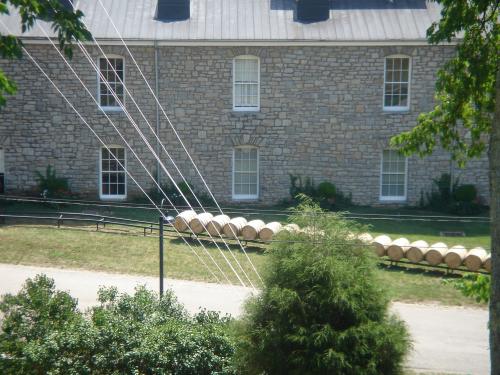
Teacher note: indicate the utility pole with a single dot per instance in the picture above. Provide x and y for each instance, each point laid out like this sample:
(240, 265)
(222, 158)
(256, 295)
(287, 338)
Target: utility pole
(161, 223)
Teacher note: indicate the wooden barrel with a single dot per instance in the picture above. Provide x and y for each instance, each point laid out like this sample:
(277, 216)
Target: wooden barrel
(455, 256)
(436, 253)
(365, 237)
(252, 229)
(487, 263)
(416, 251)
(396, 250)
(292, 228)
(381, 243)
(234, 227)
(200, 222)
(182, 220)
(475, 258)
(269, 231)
(215, 225)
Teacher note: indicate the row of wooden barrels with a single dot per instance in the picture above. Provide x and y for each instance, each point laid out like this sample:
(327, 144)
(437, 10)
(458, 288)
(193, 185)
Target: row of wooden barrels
(401, 248)
(435, 254)
(231, 228)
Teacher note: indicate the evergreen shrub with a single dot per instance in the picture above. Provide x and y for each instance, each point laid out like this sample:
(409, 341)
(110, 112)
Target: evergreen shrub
(322, 309)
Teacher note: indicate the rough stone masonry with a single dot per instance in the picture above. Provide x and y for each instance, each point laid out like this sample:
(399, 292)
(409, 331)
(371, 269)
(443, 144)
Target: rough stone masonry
(321, 115)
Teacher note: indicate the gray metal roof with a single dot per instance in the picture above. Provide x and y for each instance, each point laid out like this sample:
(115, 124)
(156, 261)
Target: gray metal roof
(257, 20)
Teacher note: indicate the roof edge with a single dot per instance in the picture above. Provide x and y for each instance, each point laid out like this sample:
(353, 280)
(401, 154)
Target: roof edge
(244, 42)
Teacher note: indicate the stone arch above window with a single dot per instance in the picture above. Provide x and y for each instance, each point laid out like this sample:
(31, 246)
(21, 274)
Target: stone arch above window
(247, 140)
(111, 141)
(248, 51)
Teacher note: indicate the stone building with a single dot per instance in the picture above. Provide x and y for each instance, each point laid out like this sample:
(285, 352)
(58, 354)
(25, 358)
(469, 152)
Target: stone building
(256, 89)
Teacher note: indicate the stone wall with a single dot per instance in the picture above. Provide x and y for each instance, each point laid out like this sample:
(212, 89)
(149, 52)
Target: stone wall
(321, 116)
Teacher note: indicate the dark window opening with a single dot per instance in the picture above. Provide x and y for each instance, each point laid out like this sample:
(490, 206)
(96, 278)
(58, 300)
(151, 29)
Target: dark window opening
(312, 10)
(172, 10)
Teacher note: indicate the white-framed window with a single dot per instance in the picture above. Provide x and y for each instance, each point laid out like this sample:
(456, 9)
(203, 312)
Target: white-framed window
(246, 83)
(397, 73)
(113, 70)
(113, 178)
(245, 172)
(2, 172)
(393, 176)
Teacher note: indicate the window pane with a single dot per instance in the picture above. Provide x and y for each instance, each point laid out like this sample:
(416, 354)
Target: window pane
(396, 82)
(112, 73)
(393, 178)
(113, 175)
(245, 172)
(246, 82)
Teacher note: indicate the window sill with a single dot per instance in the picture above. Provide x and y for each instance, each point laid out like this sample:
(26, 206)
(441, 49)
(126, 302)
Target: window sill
(112, 109)
(112, 197)
(389, 200)
(244, 199)
(395, 110)
(246, 110)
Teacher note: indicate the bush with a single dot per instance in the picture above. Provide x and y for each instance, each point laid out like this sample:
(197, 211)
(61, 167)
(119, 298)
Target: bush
(461, 200)
(327, 190)
(322, 310)
(43, 332)
(475, 286)
(51, 185)
(465, 193)
(300, 185)
(176, 198)
(326, 193)
(441, 195)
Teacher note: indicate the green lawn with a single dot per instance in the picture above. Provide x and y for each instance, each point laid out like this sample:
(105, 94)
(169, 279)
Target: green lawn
(85, 248)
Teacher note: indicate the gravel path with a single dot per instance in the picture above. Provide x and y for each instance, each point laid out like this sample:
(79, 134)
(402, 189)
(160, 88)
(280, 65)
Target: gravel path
(445, 339)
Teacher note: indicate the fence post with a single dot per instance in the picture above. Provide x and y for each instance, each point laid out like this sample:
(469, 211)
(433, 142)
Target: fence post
(161, 222)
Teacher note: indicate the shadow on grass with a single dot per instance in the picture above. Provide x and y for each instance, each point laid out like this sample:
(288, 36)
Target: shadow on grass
(209, 244)
(420, 270)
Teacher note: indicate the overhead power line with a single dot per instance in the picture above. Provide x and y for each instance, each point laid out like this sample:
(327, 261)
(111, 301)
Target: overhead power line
(173, 128)
(100, 140)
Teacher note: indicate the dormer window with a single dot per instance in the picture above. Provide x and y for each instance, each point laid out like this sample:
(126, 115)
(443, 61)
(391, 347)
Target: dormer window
(309, 11)
(172, 10)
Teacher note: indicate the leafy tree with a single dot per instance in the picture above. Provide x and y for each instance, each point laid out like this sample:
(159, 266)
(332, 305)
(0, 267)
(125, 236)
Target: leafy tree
(322, 309)
(66, 23)
(43, 332)
(475, 286)
(466, 119)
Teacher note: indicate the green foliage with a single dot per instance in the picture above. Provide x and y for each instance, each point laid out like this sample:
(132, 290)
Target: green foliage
(465, 88)
(177, 199)
(322, 309)
(465, 193)
(327, 190)
(326, 193)
(66, 23)
(54, 186)
(474, 286)
(43, 332)
(302, 185)
(456, 199)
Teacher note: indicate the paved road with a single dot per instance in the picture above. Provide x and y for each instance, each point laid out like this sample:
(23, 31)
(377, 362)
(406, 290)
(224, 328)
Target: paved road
(446, 339)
